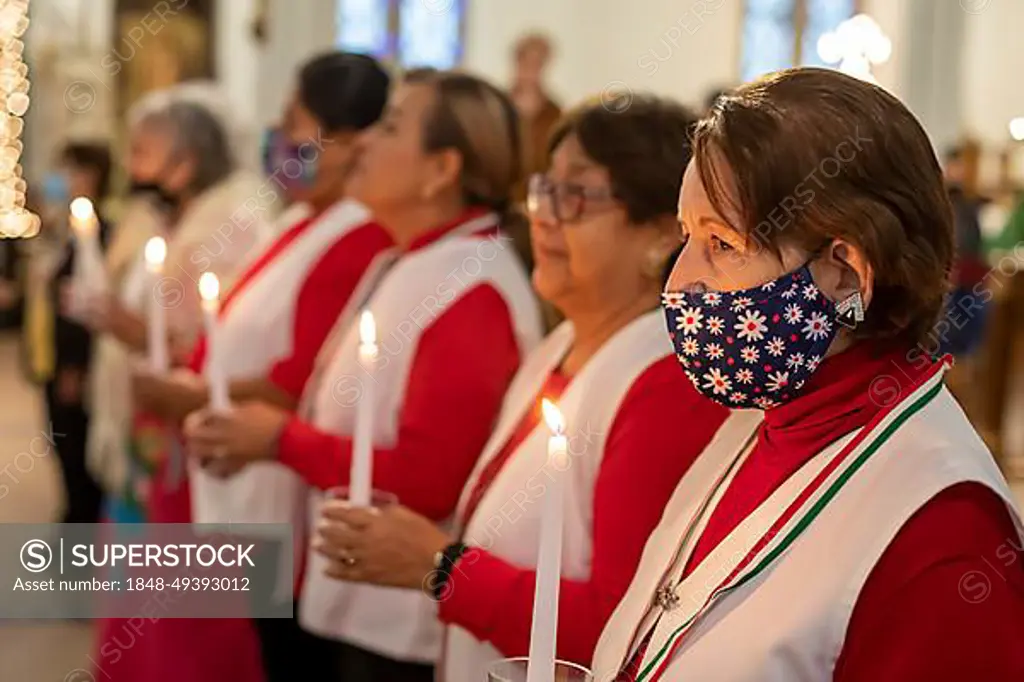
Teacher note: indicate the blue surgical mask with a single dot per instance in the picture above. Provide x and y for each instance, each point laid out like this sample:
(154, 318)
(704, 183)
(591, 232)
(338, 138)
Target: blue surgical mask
(284, 161)
(56, 189)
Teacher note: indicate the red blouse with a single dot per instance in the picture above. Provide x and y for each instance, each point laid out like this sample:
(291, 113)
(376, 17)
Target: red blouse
(463, 364)
(946, 599)
(660, 429)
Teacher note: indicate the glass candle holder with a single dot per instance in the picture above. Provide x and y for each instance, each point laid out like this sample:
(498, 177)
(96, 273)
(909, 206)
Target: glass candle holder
(514, 670)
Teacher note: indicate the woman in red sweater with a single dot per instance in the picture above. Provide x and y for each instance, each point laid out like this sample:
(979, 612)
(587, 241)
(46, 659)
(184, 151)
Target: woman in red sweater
(866, 533)
(603, 229)
(454, 314)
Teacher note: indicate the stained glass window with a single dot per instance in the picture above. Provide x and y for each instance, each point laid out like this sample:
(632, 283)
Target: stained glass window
(430, 33)
(770, 32)
(768, 37)
(822, 16)
(363, 27)
(409, 32)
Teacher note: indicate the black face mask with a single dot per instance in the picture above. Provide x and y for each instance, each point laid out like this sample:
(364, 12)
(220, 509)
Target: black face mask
(164, 200)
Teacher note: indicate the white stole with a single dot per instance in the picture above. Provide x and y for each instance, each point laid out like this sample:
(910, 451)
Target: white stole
(257, 330)
(732, 641)
(506, 522)
(419, 288)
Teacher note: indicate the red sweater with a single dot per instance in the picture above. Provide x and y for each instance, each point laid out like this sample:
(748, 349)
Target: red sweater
(645, 455)
(463, 364)
(946, 600)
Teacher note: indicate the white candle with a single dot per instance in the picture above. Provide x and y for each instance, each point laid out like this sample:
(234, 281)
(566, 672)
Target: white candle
(541, 666)
(361, 474)
(159, 361)
(90, 273)
(209, 289)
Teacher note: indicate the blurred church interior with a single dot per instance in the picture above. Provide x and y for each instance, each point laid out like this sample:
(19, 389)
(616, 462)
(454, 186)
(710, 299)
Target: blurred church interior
(956, 63)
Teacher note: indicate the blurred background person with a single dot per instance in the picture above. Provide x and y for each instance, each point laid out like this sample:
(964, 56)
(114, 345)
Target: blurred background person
(61, 346)
(966, 311)
(275, 318)
(538, 114)
(183, 160)
(454, 316)
(538, 111)
(603, 221)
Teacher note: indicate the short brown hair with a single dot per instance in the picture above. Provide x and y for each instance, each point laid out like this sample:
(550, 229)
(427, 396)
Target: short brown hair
(644, 143)
(836, 157)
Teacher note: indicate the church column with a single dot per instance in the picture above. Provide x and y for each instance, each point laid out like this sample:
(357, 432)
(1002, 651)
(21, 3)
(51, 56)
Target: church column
(932, 42)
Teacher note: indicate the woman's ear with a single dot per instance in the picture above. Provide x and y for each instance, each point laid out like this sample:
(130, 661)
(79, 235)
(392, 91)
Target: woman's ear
(844, 270)
(444, 170)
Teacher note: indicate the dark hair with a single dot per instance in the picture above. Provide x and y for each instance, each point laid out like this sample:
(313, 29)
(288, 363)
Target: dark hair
(344, 90)
(644, 143)
(94, 157)
(830, 156)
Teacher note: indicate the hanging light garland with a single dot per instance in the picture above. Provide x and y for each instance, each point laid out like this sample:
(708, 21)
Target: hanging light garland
(15, 219)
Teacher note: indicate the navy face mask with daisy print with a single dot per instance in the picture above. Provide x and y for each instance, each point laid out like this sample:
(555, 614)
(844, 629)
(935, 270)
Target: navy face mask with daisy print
(753, 348)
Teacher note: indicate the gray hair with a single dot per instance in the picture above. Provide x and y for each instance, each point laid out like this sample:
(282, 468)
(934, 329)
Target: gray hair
(198, 129)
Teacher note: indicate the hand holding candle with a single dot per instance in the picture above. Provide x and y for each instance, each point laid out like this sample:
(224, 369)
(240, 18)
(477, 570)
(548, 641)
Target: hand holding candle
(159, 362)
(541, 667)
(209, 289)
(361, 475)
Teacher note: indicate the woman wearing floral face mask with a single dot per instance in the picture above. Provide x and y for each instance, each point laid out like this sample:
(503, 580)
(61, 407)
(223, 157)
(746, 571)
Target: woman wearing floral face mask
(855, 539)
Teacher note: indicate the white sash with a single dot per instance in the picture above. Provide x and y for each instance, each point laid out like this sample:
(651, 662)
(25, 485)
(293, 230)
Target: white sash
(696, 492)
(507, 520)
(416, 291)
(257, 329)
(752, 546)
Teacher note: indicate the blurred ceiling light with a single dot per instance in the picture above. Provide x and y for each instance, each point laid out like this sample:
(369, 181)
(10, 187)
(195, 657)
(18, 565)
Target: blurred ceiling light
(1017, 129)
(855, 46)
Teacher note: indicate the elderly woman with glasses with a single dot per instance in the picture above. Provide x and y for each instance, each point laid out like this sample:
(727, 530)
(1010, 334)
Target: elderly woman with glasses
(603, 231)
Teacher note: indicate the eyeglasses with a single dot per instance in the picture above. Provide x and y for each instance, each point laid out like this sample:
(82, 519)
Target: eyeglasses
(566, 201)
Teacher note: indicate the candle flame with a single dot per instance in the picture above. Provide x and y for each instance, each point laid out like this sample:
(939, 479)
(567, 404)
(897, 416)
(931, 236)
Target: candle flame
(156, 251)
(553, 416)
(81, 208)
(367, 329)
(209, 286)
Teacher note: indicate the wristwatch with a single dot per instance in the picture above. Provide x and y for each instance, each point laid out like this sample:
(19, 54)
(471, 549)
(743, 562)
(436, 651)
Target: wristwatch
(444, 562)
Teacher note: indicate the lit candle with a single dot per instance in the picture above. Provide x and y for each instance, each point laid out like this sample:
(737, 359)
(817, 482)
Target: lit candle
(209, 289)
(541, 666)
(89, 273)
(361, 474)
(156, 252)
